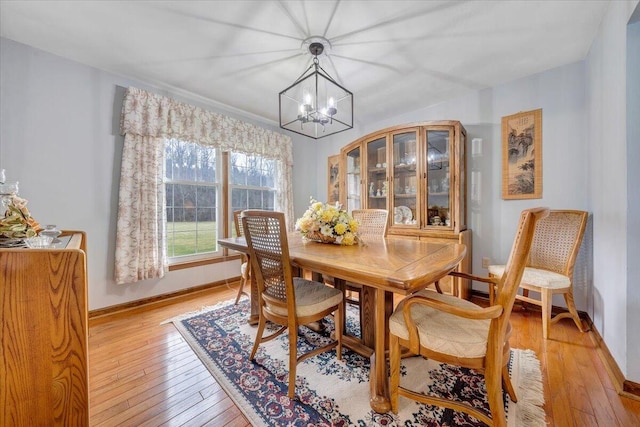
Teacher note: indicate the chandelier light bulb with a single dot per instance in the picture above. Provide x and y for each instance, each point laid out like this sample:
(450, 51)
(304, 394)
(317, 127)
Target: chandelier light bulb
(306, 97)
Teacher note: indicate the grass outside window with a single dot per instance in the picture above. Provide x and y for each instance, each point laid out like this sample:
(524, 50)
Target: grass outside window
(189, 238)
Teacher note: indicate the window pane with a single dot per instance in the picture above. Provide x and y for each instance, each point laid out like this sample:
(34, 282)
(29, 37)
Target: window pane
(238, 199)
(186, 161)
(191, 198)
(269, 173)
(252, 199)
(254, 171)
(237, 169)
(206, 166)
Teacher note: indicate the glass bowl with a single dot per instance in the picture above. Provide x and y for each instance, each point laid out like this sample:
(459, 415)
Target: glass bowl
(38, 242)
(51, 231)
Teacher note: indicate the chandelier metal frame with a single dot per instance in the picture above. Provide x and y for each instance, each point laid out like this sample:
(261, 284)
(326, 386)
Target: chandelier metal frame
(321, 120)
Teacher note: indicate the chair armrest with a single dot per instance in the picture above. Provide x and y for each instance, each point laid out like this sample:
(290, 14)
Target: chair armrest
(491, 312)
(493, 280)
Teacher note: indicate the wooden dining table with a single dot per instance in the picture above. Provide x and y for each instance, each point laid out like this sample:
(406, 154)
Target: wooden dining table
(383, 266)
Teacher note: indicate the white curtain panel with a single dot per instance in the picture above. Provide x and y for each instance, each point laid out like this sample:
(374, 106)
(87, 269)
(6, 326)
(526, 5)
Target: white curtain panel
(147, 120)
(140, 233)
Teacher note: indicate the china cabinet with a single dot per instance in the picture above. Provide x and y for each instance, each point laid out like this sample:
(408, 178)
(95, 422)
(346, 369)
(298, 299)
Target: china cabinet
(43, 294)
(418, 173)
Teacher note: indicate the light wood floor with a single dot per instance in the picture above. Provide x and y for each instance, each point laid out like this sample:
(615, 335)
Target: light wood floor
(144, 374)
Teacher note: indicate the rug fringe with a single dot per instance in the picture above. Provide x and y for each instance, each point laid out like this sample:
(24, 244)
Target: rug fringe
(531, 402)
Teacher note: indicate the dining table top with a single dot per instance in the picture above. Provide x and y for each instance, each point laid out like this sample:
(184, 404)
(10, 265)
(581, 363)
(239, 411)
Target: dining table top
(396, 265)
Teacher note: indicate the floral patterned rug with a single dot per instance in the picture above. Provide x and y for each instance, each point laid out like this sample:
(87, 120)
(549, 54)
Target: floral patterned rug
(336, 393)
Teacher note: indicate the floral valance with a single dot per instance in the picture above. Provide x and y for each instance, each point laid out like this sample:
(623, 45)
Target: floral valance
(147, 114)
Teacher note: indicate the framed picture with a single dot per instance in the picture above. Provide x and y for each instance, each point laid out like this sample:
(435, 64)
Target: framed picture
(333, 190)
(522, 155)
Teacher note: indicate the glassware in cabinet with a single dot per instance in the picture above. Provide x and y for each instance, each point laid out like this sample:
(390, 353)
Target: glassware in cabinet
(378, 182)
(439, 177)
(354, 180)
(404, 207)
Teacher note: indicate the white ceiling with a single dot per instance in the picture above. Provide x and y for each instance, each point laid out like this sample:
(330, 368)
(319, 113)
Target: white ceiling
(395, 56)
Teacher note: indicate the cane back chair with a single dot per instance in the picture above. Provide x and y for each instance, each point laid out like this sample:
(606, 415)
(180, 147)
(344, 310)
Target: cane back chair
(283, 299)
(549, 271)
(373, 224)
(455, 331)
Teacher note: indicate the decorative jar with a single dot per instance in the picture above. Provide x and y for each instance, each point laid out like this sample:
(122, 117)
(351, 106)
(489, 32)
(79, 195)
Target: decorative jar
(51, 231)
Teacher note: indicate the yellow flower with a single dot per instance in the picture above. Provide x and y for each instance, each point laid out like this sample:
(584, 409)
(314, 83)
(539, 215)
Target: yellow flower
(348, 239)
(327, 215)
(353, 225)
(340, 228)
(305, 224)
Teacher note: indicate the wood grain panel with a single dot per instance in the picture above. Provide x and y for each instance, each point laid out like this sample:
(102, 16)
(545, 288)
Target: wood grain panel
(43, 379)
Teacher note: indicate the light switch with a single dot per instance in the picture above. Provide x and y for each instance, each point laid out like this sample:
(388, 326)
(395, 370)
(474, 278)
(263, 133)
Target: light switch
(476, 147)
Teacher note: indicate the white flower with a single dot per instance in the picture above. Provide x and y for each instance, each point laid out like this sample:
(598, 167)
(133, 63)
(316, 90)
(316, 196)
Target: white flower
(326, 230)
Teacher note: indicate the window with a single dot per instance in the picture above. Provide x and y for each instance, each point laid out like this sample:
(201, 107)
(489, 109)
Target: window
(192, 189)
(251, 183)
(194, 186)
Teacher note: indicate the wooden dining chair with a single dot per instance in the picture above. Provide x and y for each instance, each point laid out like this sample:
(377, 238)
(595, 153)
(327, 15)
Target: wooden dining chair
(458, 332)
(244, 267)
(549, 270)
(372, 223)
(283, 299)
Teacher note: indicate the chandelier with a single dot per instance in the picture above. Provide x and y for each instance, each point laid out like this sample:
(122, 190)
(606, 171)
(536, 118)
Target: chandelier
(315, 105)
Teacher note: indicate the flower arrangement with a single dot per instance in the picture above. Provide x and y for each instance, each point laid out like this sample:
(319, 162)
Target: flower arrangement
(328, 223)
(17, 221)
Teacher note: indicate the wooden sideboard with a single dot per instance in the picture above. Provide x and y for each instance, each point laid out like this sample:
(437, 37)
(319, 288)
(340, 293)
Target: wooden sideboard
(44, 372)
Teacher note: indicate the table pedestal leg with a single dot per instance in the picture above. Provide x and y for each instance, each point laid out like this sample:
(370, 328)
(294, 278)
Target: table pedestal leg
(368, 314)
(379, 375)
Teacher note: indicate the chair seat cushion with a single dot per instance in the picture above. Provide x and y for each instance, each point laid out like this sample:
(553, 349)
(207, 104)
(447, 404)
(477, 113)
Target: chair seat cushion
(311, 298)
(444, 332)
(537, 277)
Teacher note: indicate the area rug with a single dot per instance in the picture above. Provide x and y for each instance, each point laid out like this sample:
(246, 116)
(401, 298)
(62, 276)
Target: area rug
(336, 393)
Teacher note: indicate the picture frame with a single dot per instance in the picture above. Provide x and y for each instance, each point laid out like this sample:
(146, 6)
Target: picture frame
(333, 185)
(522, 155)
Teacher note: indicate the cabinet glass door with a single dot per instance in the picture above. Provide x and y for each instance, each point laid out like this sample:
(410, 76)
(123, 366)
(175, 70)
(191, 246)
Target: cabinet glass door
(404, 211)
(377, 174)
(438, 178)
(354, 180)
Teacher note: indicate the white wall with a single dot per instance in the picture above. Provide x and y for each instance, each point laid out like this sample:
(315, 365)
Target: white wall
(615, 292)
(633, 195)
(59, 137)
